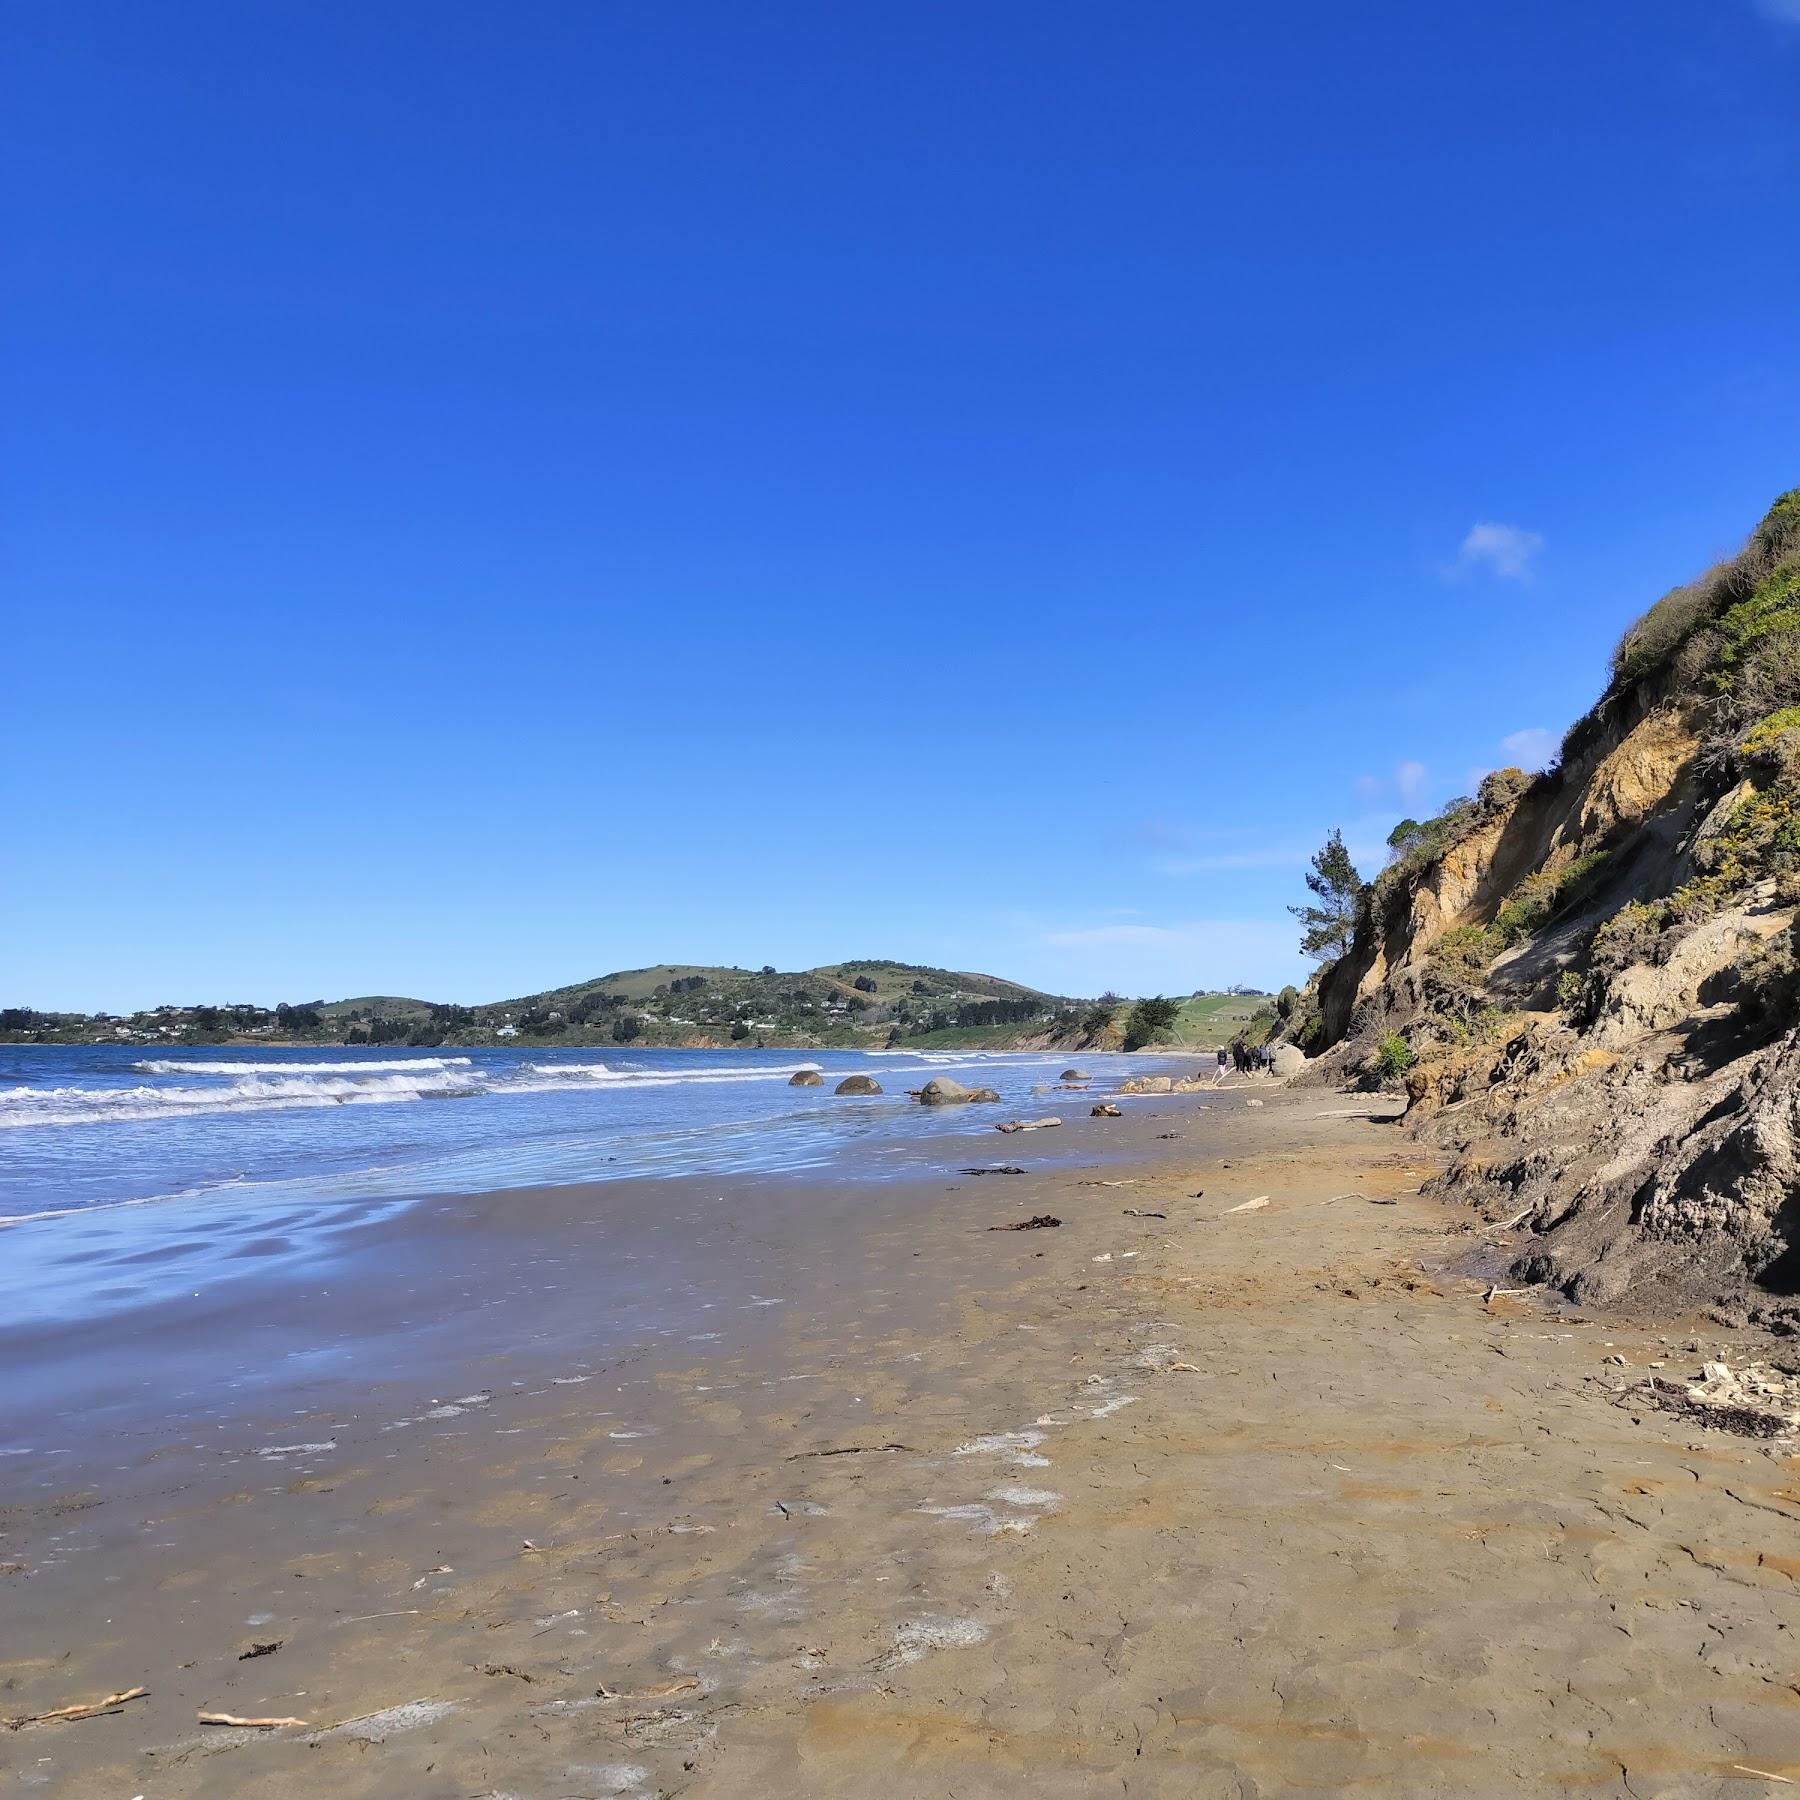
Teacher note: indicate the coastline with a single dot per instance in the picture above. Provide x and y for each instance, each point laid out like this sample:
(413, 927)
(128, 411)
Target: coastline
(1222, 1502)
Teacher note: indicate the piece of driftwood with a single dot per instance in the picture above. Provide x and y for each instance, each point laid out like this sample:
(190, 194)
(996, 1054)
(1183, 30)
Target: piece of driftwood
(1106, 1111)
(1255, 1205)
(257, 1650)
(1028, 1124)
(225, 1718)
(1132, 1212)
(87, 1709)
(994, 1169)
(1040, 1222)
(849, 1450)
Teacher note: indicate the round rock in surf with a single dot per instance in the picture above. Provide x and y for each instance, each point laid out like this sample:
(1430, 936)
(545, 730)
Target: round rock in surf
(858, 1084)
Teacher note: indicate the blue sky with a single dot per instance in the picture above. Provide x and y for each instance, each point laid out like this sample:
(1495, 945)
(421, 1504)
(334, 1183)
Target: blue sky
(495, 494)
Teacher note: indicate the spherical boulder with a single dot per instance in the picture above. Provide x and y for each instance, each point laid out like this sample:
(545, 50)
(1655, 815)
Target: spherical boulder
(806, 1078)
(1074, 1075)
(858, 1084)
(1288, 1059)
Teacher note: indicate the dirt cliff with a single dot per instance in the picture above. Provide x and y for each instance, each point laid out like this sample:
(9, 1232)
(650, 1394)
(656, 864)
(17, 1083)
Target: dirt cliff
(1586, 979)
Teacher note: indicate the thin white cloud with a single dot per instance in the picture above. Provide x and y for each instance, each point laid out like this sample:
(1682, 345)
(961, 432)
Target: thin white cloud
(1507, 552)
(1407, 785)
(1533, 747)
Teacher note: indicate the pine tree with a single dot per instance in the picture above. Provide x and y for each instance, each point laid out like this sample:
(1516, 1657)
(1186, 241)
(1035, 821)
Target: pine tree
(1339, 889)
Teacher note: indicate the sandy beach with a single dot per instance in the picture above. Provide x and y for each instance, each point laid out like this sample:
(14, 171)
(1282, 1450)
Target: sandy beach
(1186, 1496)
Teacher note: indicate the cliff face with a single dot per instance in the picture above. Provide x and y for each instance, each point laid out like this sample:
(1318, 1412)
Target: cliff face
(1587, 979)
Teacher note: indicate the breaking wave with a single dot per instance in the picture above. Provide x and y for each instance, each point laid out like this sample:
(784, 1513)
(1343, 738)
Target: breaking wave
(397, 1065)
(250, 1093)
(241, 1087)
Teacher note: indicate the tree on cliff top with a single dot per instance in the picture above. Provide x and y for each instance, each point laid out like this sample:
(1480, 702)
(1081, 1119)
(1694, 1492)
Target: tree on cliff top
(1338, 889)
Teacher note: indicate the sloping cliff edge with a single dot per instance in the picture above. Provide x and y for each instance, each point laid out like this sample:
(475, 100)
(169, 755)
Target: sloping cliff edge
(1586, 979)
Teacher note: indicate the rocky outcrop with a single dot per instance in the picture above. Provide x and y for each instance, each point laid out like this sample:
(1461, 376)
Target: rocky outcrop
(1587, 979)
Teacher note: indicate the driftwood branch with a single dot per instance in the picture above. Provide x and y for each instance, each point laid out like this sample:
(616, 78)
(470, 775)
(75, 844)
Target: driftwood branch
(87, 1709)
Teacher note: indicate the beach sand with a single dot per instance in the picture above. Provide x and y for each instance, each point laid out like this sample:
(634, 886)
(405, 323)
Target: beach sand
(1227, 1502)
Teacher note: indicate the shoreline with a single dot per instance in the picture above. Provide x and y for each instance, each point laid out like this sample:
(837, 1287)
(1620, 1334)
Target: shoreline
(1228, 1501)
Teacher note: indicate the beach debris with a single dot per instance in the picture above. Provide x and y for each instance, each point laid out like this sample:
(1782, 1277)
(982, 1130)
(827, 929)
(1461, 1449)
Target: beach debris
(1106, 1110)
(265, 1649)
(526, 1544)
(67, 1715)
(225, 1718)
(687, 1686)
(1104, 1256)
(1755, 1401)
(993, 1169)
(1518, 1218)
(1132, 1212)
(1028, 1124)
(1253, 1103)
(1039, 1222)
(1128, 1181)
(849, 1450)
(1499, 1293)
(1763, 1774)
(1255, 1205)
(1185, 1368)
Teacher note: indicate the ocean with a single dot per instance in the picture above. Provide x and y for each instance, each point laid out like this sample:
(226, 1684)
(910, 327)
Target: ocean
(85, 1126)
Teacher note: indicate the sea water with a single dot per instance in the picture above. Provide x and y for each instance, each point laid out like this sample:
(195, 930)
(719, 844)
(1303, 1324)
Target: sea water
(93, 1126)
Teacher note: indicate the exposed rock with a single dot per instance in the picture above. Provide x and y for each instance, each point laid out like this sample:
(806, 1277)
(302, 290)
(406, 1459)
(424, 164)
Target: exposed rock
(1106, 1110)
(1074, 1075)
(1588, 979)
(1288, 1059)
(940, 1090)
(1147, 1084)
(806, 1078)
(858, 1084)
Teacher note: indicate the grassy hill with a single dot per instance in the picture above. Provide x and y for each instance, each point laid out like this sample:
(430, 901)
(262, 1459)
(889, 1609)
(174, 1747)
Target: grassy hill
(1208, 1020)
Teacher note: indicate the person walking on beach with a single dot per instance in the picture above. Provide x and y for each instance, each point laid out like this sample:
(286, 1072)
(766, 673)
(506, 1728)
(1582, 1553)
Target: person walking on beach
(1223, 1064)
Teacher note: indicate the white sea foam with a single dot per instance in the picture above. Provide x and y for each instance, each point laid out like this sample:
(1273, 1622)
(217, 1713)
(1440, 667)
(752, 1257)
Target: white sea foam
(23, 1106)
(373, 1067)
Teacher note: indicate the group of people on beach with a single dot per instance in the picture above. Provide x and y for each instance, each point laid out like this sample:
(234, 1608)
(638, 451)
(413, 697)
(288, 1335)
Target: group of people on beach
(1246, 1060)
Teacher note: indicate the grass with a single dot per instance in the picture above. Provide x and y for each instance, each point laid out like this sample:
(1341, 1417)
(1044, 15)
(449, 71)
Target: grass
(1208, 1020)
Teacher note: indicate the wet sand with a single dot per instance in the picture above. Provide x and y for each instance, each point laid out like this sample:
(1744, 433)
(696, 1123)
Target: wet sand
(1265, 1502)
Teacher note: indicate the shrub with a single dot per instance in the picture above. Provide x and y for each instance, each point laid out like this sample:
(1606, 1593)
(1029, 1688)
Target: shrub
(1541, 896)
(1501, 789)
(1570, 986)
(1393, 1057)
